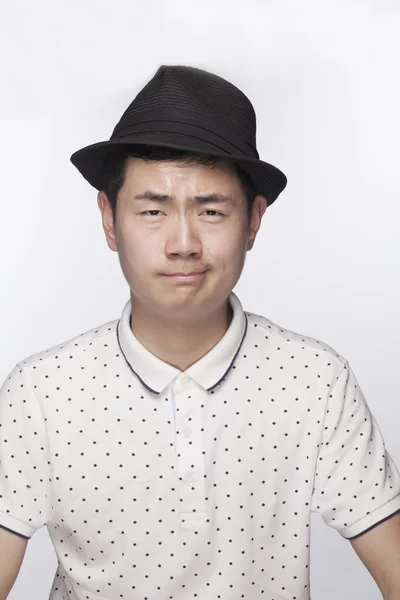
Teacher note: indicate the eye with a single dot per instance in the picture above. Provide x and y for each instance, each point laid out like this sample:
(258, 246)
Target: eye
(149, 211)
(157, 211)
(214, 211)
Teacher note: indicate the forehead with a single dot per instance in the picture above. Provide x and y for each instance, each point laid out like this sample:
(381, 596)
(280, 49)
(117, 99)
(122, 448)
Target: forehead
(140, 171)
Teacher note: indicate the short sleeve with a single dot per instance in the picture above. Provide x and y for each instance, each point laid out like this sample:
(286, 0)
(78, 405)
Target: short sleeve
(24, 464)
(357, 484)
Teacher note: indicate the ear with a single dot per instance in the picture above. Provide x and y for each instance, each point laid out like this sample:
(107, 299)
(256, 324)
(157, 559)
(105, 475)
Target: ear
(259, 207)
(107, 219)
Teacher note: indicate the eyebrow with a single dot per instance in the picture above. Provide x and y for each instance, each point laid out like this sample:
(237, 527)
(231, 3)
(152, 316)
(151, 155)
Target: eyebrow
(204, 199)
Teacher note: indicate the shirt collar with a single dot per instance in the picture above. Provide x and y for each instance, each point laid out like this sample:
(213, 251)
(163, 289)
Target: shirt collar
(208, 372)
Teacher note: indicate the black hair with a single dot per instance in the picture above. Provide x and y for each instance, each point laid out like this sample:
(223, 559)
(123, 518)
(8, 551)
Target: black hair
(114, 169)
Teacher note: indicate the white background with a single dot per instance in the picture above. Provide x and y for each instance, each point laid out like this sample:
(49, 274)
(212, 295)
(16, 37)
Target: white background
(323, 77)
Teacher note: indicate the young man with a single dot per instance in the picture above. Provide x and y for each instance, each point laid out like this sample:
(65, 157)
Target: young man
(178, 451)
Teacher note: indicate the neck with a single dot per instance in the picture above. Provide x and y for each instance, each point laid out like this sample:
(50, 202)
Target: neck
(180, 344)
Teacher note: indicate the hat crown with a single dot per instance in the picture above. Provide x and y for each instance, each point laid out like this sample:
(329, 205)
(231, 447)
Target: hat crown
(194, 91)
(190, 110)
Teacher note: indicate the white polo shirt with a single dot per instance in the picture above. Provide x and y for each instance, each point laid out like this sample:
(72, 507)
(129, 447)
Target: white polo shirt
(158, 484)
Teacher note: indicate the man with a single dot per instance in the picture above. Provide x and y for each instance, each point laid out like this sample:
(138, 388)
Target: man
(178, 451)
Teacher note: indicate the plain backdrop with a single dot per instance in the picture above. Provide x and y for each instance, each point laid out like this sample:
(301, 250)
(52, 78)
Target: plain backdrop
(323, 77)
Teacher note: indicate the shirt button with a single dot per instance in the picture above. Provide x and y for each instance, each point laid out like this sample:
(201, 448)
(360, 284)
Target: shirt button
(189, 479)
(187, 432)
(181, 382)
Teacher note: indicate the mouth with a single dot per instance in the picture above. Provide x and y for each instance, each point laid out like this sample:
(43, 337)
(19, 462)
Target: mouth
(189, 277)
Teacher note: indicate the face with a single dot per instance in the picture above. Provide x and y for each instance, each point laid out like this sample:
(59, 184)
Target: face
(162, 227)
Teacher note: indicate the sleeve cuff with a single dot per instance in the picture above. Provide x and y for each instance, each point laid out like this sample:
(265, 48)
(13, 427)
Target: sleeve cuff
(372, 520)
(16, 526)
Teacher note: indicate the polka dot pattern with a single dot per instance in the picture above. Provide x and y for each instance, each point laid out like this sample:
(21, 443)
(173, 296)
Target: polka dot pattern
(157, 484)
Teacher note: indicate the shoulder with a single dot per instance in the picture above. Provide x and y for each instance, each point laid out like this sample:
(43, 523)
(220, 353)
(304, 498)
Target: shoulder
(76, 347)
(286, 340)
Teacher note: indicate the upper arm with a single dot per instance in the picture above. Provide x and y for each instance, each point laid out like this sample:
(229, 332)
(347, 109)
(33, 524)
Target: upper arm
(379, 550)
(12, 551)
(25, 476)
(357, 483)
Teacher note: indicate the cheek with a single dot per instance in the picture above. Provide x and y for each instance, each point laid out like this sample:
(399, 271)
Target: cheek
(228, 252)
(230, 243)
(137, 254)
(129, 236)
(128, 242)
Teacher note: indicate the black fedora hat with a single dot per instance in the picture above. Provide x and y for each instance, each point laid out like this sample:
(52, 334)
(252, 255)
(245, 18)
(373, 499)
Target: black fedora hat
(187, 108)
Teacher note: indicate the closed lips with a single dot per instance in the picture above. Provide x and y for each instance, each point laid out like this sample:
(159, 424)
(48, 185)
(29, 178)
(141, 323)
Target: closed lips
(186, 274)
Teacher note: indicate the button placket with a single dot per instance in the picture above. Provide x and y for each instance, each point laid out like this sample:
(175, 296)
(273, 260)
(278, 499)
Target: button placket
(189, 445)
(187, 431)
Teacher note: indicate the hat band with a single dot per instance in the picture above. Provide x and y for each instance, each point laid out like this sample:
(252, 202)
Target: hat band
(184, 123)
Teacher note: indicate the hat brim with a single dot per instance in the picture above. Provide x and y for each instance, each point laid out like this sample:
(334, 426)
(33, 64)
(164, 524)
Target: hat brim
(268, 179)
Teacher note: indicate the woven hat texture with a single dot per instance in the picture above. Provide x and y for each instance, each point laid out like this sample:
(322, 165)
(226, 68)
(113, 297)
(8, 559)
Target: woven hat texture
(187, 108)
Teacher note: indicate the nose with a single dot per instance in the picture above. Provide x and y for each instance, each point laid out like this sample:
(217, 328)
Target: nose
(183, 238)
